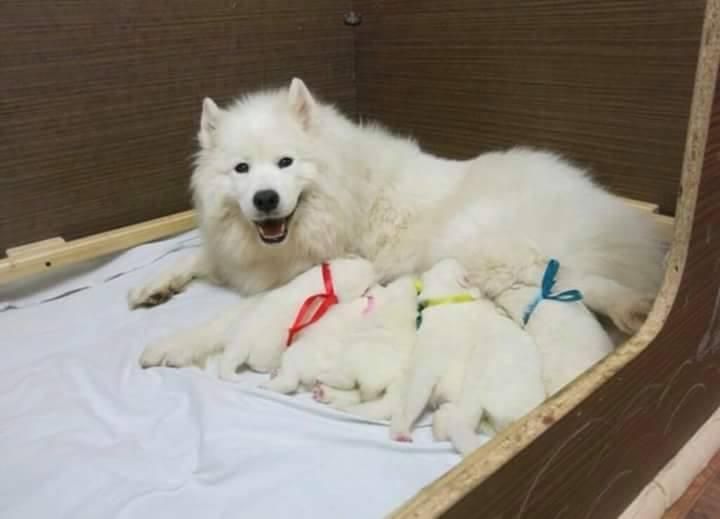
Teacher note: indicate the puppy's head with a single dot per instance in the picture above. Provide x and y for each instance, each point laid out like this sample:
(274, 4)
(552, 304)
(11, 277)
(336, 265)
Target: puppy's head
(447, 276)
(352, 276)
(260, 156)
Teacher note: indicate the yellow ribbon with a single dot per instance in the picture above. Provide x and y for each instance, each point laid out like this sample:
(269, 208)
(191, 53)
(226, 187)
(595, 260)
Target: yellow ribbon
(437, 301)
(447, 300)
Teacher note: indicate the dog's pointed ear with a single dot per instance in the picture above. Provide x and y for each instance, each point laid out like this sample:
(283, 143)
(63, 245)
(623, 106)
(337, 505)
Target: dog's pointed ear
(301, 101)
(208, 122)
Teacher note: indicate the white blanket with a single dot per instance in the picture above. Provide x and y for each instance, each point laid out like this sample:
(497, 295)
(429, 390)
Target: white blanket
(86, 433)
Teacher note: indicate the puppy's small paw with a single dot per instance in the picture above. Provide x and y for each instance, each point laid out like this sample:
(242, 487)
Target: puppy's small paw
(630, 315)
(228, 369)
(319, 394)
(281, 384)
(402, 437)
(336, 380)
(268, 384)
(441, 418)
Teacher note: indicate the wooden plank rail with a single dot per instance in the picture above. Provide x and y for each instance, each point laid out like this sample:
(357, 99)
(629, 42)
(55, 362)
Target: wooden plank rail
(56, 253)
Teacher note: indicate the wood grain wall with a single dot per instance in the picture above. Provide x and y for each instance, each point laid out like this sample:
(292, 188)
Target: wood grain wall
(607, 82)
(99, 100)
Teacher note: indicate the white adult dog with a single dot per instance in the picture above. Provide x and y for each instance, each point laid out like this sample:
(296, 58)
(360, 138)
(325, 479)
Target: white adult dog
(470, 354)
(283, 182)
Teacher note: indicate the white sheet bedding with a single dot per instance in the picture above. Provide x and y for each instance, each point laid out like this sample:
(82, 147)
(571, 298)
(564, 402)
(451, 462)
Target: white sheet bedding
(85, 433)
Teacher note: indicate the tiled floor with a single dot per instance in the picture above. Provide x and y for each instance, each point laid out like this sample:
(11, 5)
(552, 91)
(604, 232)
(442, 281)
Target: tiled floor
(702, 498)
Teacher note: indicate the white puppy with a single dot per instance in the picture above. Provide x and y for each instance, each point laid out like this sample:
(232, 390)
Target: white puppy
(355, 353)
(376, 355)
(469, 353)
(318, 347)
(256, 332)
(265, 332)
(568, 336)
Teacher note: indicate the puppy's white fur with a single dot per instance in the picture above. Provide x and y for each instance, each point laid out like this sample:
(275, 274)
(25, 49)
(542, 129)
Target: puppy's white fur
(356, 188)
(355, 345)
(470, 354)
(318, 347)
(377, 354)
(262, 337)
(568, 336)
(255, 334)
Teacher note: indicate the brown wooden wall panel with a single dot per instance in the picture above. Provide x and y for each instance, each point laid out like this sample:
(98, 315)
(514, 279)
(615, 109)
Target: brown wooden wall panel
(607, 82)
(99, 100)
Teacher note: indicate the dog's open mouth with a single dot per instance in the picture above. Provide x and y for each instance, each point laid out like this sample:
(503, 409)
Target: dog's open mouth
(273, 230)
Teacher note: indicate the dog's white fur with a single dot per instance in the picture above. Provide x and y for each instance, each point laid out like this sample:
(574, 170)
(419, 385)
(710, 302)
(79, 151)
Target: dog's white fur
(568, 336)
(356, 188)
(256, 334)
(470, 354)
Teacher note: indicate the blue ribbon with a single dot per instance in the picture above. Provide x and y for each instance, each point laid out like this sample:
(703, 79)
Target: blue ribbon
(548, 282)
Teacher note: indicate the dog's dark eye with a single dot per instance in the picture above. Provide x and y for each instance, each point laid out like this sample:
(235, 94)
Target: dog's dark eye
(243, 167)
(285, 162)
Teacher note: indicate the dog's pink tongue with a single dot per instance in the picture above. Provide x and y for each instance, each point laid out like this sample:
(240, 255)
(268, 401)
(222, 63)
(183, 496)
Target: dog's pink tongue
(272, 227)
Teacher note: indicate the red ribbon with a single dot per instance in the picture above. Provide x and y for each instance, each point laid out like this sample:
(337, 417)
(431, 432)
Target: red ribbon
(326, 300)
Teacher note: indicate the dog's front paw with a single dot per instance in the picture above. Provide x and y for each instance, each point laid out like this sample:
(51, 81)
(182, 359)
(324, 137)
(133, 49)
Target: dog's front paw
(231, 362)
(154, 355)
(157, 291)
(631, 314)
(166, 353)
(176, 351)
(180, 357)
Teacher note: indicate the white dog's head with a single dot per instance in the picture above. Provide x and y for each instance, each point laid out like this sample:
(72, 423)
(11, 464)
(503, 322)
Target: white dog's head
(264, 160)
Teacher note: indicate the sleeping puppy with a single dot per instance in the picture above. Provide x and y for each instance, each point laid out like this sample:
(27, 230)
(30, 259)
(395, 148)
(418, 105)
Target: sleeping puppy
(568, 336)
(262, 334)
(318, 347)
(375, 358)
(470, 354)
(356, 352)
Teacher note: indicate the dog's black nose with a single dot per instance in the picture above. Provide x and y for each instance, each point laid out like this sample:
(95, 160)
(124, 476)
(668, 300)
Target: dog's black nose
(266, 200)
